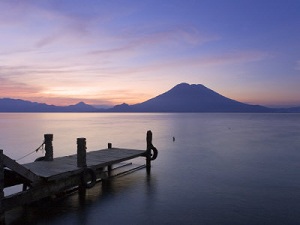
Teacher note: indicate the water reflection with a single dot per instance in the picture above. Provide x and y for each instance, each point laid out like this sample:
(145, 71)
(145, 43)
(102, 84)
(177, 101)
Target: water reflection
(77, 207)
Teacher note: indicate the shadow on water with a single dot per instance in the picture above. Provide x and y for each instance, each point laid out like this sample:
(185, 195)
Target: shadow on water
(77, 206)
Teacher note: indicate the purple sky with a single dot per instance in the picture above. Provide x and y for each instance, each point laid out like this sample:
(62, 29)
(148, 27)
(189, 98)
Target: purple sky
(114, 51)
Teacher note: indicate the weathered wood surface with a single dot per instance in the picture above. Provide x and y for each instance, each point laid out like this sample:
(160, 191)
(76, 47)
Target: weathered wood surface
(67, 165)
(23, 171)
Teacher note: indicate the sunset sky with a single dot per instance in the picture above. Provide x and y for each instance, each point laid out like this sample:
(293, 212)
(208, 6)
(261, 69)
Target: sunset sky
(106, 52)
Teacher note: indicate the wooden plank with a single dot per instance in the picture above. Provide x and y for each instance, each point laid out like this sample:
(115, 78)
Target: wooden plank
(21, 170)
(50, 168)
(11, 178)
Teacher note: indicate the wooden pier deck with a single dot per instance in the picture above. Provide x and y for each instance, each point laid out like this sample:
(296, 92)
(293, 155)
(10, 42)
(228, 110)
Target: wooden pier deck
(65, 166)
(49, 176)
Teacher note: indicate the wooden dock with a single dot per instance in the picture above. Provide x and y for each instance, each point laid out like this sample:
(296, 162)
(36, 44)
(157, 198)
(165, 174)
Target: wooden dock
(65, 166)
(48, 176)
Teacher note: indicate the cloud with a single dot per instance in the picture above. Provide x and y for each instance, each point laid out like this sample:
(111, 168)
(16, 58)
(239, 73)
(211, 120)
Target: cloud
(31, 79)
(233, 57)
(142, 50)
(38, 24)
(15, 89)
(134, 39)
(217, 59)
(69, 30)
(13, 12)
(47, 40)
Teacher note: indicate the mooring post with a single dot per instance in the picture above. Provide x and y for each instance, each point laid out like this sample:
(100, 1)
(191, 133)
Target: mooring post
(81, 152)
(2, 215)
(81, 162)
(148, 151)
(48, 147)
(109, 167)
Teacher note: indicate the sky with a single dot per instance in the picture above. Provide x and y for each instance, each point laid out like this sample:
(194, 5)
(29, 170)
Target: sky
(107, 52)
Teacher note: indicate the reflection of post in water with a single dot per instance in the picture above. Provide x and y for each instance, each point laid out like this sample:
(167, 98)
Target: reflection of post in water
(107, 186)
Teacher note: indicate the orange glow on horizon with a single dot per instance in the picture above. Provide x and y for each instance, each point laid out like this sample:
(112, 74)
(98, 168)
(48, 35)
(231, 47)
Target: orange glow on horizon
(72, 97)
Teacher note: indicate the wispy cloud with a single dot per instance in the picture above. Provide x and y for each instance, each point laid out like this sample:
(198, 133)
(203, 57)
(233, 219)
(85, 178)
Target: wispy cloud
(134, 39)
(217, 59)
(233, 57)
(44, 23)
(48, 40)
(15, 89)
(13, 12)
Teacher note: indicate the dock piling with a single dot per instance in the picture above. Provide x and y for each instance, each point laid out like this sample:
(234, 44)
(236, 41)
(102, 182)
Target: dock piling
(48, 147)
(81, 152)
(109, 167)
(148, 151)
(151, 151)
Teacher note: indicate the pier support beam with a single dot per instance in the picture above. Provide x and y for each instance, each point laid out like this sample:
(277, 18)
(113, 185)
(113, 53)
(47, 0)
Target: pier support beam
(2, 215)
(81, 152)
(48, 147)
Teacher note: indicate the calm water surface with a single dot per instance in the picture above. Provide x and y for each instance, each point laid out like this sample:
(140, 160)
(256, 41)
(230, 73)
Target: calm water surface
(222, 168)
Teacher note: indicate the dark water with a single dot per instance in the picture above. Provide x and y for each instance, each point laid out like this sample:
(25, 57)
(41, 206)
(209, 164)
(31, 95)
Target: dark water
(221, 169)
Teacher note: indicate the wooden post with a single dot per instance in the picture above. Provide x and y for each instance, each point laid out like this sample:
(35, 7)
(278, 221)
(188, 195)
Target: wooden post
(2, 211)
(81, 162)
(48, 147)
(109, 167)
(148, 151)
(81, 152)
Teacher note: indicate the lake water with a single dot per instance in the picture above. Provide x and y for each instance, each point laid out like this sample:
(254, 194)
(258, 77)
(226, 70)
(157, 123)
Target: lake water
(221, 169)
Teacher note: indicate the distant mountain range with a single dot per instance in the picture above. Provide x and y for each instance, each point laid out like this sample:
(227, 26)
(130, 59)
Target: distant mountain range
(181, 98)
(18, 105)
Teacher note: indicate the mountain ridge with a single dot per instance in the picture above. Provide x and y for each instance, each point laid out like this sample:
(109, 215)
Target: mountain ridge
(190, 98)
(19, 105)
(181, 98)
